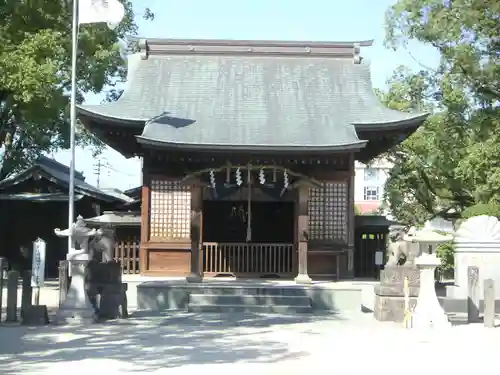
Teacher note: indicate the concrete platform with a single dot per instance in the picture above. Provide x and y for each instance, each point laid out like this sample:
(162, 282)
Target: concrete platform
(229, 294)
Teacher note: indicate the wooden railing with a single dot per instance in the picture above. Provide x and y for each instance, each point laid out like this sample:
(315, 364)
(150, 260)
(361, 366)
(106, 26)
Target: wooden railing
(248, 258)
(127, 253)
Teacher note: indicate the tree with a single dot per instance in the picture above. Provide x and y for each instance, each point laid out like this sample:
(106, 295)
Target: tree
(465, 32)
(451, 162)
(35, 61)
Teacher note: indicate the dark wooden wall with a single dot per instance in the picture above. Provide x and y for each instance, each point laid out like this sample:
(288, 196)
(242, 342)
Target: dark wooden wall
(22, 222)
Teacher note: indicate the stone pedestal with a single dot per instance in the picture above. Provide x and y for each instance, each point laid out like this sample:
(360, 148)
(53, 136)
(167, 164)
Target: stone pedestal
(428, 312)
(105, 289)
(36, 315)
(389, 295)
(76, 307)
(303, 279)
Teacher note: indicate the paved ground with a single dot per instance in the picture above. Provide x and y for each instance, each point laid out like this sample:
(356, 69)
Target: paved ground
(245, 344)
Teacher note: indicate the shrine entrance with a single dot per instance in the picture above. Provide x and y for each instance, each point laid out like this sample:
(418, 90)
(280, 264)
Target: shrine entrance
(227, 221)
(229, 249)
(249, 220)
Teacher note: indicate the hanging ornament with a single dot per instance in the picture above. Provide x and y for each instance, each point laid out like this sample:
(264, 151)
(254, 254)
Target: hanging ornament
(212, 178)
(286, 182)
(228, 175)
(274, 175)
(239, 180)
(262, 176)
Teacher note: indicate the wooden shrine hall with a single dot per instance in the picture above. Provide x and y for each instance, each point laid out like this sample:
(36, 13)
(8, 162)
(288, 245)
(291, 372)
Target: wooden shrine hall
(248, 152)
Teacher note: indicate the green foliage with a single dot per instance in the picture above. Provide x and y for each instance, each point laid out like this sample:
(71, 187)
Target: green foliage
(357, 210)
(450, 163)
(446, 252)
(35, 62)
(464, 31)
(491, 209)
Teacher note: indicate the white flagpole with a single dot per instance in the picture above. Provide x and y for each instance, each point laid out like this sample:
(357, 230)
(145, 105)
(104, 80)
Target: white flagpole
(72, 140)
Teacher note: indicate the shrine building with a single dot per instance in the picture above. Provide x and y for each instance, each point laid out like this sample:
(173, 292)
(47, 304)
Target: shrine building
(248, 151)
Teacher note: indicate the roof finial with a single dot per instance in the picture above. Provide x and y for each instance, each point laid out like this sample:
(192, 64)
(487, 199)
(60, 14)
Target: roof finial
(356, 53)
(143, 48)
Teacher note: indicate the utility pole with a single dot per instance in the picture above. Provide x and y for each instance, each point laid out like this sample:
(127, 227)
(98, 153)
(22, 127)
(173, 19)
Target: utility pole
(98, 166)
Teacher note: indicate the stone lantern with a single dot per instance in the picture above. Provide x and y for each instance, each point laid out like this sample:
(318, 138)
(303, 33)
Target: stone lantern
(77, 307)
(428, 312)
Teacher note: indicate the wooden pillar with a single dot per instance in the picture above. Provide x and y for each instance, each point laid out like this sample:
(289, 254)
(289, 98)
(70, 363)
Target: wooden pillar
(302, 234)
(145, 219)
(351, 213)
(195, 276)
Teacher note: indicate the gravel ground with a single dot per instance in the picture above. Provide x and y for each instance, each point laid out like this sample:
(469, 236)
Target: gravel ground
(245, 344)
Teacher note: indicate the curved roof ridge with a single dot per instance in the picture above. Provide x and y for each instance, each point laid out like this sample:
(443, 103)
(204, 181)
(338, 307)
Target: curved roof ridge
(113, 111)
(376, 113)
(156, 46)
(249, 42)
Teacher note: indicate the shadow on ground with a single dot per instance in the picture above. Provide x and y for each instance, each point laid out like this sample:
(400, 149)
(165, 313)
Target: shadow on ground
(148, 343)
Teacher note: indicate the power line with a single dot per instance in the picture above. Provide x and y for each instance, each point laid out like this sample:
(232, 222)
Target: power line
(109, 167)
(100, 164)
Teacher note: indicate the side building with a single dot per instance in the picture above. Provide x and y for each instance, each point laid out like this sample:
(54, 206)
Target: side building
(35, 201)
(248, 153)
(369, 184)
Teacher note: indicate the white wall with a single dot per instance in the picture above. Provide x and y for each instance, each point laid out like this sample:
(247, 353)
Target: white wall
(379, 172)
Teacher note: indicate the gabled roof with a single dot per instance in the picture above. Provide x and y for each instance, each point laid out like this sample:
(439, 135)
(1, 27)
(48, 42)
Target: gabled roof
(134, 193)
(118, 194)
(220, 94)
(59, 174)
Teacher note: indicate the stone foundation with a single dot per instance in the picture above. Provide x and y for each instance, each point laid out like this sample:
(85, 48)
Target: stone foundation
(389, 296)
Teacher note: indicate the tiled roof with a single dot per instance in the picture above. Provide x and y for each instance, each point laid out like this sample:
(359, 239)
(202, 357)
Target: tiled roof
(240, 94)
(59, 173)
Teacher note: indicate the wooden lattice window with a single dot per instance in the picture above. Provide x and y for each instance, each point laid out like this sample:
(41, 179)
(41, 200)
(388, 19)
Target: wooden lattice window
(328, 212)
(170, 216)
(316, 211)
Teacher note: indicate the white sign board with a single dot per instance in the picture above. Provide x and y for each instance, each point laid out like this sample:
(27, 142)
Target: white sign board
(38, 265)
(379, 258)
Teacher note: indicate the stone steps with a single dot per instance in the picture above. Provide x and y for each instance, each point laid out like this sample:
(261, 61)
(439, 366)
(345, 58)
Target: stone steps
(181, 296)
(254, 291)
(249, 303)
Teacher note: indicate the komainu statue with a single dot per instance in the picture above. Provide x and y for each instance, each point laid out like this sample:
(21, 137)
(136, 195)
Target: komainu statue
(400, 251)
(102, 245)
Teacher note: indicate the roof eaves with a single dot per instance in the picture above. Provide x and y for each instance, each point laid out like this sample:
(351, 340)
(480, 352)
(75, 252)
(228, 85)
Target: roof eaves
(81, 187)
(17, 178)
(243, 147)
(416, 120)
(86, 111)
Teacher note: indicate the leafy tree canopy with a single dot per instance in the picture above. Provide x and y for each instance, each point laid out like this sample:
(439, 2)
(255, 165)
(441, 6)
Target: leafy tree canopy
(35, 79)
(451, 163)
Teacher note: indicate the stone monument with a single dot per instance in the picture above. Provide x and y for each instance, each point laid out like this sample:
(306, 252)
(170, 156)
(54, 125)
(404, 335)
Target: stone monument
(477, 244)
(389, 295)
(77, 307)
(428, 313)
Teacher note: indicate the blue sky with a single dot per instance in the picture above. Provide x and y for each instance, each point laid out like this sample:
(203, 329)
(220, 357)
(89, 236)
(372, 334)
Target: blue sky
(327, 20)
